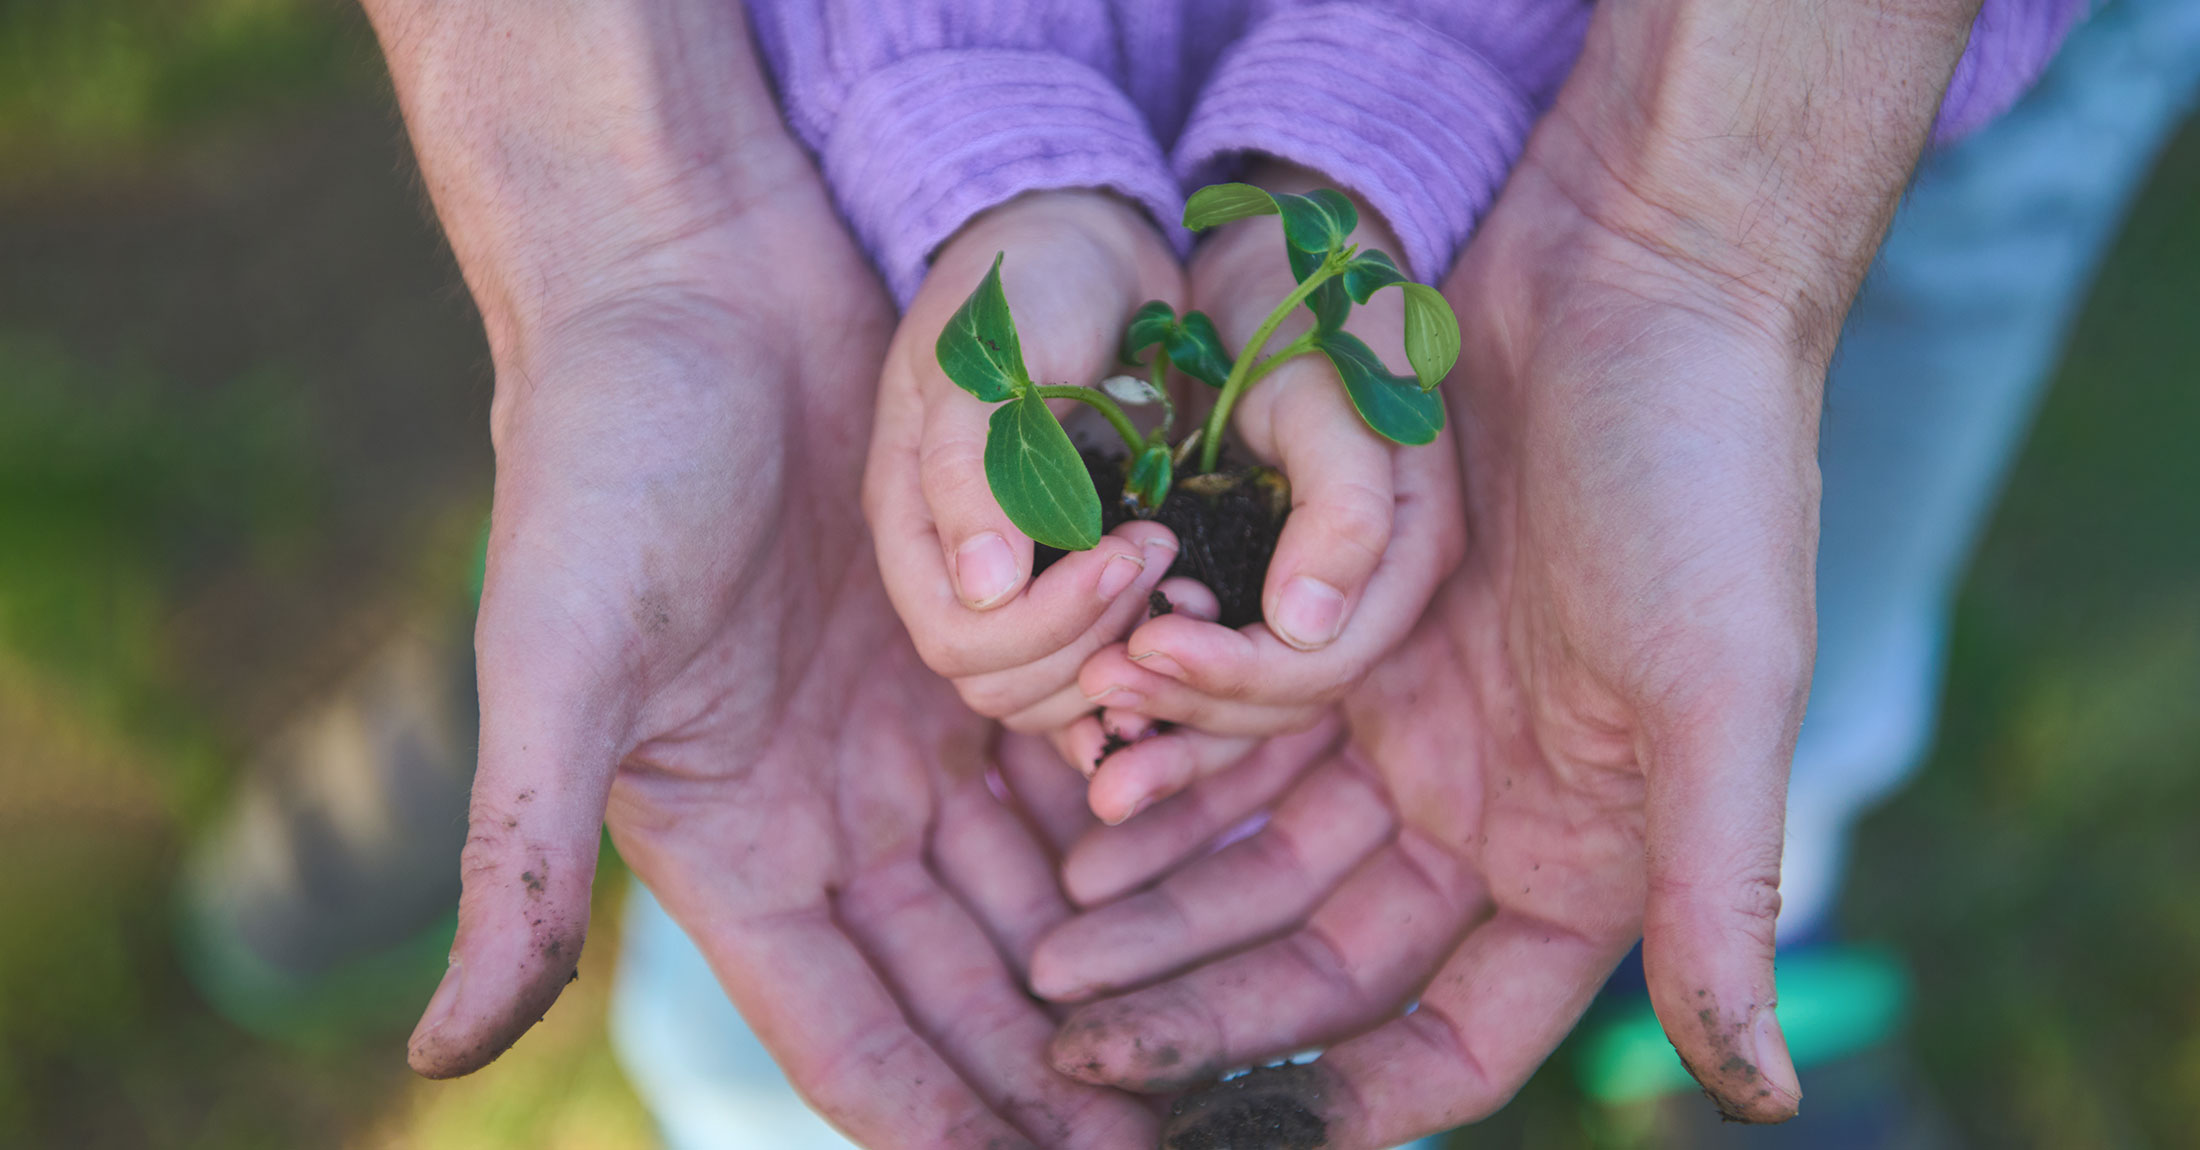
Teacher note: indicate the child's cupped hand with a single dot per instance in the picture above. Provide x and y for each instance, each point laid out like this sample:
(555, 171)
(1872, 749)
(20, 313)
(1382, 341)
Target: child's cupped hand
(1076, 265)
(1374, 527)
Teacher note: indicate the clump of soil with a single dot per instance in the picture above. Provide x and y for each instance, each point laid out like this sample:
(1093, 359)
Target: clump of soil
(1278, 1108)
(1226, 523)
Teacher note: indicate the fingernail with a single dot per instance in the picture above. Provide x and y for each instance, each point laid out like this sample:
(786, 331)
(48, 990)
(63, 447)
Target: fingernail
(1308, 613)
(1772, 1057)
(1119, 574)
(1160, 663)
(1136, 807)
(985, 569)
(1116, 697)
(440, 1006)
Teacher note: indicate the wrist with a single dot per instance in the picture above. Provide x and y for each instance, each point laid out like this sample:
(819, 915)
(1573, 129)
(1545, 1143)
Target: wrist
(1761, 148)
(585, 153)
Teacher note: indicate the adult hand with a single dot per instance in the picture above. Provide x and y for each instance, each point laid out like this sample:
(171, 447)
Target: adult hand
(1077, 264)
(682, 621)
(1589, 733)
(1585, 738)
(1374, 527)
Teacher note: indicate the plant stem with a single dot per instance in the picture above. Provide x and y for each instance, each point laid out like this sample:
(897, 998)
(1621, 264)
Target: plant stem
(1241, 372)
(1292, 350)
(1161, 388)
(1107, 406)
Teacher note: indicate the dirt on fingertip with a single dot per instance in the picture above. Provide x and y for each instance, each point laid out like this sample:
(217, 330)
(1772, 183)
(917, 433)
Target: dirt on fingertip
(1227, 523)
(1275, 1108)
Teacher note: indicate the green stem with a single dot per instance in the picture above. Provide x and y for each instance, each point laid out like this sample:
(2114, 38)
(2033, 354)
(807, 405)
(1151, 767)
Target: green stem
(1107, 406)
(1289, 351)
(1161, 388)
(1241, 372)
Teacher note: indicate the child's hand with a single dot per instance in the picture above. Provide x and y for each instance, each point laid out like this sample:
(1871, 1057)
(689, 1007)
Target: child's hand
(1078, 264)
(1374, 527)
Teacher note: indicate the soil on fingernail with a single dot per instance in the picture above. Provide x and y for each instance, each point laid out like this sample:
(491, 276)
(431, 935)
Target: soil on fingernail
(1226, 523)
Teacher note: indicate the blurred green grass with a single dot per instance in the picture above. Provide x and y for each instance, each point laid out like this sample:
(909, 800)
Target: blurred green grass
(241, 402)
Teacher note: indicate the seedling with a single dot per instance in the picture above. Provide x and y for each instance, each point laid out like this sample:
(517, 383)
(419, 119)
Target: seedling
(1036, 472)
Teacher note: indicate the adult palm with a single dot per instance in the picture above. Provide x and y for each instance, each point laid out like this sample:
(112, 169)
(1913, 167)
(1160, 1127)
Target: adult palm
(683, 626)
(1585, 738)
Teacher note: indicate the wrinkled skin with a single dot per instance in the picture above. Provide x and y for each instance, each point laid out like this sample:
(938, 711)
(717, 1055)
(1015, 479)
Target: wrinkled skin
(683, 626)
(1586, 736)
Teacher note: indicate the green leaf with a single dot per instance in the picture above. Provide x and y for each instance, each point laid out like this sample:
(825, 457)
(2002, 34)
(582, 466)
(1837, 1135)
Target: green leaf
(1037, 475)
(1195, 347)
(1432, 334)
(1222, 203)
(1148, 484)
(1330, 305)
(1370, 272)
(1149, 325)
(978, 349)
(1318, 221)
(1393, 405)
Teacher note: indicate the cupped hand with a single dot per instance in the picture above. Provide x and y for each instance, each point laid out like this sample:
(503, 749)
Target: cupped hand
(1585, 738)
(1374, 528)
(1076, 265)
(683, 625)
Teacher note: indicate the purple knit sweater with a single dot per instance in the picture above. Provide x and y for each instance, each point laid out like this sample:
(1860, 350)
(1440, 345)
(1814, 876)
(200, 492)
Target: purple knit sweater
(924, 113)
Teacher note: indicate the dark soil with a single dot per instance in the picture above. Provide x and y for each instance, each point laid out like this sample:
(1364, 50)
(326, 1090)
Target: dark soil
(1226, 523)
(1273, 1109)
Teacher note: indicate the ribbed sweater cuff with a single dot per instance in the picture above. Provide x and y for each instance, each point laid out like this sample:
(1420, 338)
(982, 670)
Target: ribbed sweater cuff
(1418, 124)
(932, 140)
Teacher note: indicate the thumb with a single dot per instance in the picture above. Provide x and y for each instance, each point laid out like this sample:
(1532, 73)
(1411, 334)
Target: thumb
(545, 770)
(1716, 808)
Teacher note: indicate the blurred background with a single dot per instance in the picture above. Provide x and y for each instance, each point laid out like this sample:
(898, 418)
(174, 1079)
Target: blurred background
(244, 464)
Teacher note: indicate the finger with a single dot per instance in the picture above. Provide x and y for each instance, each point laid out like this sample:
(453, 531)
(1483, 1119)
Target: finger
(1189, 598)
(1342, 495)
(963, 998)
(1499, 1006)
(1150, 770)
(1372, 944)
(991, 859)
(1112, 860)
(1044, 786)
(838, 1033)
(1255, 665)
(1715, 808)
(1115, 678)
(539, 794)
(1064, 602)
(1247, 891)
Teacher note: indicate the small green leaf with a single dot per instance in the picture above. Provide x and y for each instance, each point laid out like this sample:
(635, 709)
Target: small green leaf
(1148, 485)
(1432, 334)
(1318, 221)
(1195, 347)
(1036, 473)
(1368, 273)
(1149, 325)
(978, 348)
(1393, 405)
(1222, 203)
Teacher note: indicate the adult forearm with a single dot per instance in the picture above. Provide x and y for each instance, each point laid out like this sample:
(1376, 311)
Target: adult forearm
(1764, 143)
(568, 143)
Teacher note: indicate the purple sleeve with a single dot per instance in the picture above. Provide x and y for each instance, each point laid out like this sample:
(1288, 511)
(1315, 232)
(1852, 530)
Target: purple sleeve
(2011, 44)
(1422, 106)
(1419, 106)
(923, 113)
